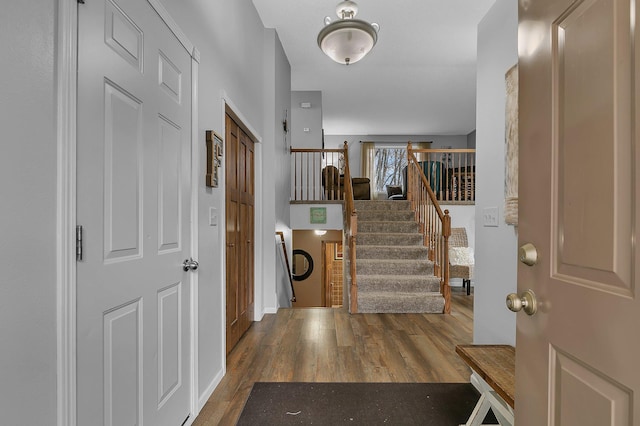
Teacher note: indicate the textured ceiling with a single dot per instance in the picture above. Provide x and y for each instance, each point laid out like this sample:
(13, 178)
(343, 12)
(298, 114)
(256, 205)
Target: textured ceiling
(420, 78)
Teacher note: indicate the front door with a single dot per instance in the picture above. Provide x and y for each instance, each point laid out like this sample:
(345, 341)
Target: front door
(133, 200)
(577, 357)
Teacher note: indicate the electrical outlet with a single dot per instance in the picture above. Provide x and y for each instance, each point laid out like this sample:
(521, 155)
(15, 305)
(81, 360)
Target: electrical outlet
(490, 216)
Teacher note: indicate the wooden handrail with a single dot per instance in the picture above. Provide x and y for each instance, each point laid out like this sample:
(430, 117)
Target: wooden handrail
(286, 261)
(340, 150)
(351, 230)
(435, 224)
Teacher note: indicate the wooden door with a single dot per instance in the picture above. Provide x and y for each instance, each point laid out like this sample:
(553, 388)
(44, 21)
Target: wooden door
(133, 200)
(239, 231)
(576, 358)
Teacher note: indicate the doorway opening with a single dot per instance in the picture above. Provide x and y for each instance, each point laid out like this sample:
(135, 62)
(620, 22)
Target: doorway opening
(318, 268)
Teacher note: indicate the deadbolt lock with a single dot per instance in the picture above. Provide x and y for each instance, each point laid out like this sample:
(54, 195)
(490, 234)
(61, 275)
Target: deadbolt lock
(528, 254)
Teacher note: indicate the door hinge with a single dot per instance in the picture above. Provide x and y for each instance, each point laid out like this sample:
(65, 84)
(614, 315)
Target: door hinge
(79, 243)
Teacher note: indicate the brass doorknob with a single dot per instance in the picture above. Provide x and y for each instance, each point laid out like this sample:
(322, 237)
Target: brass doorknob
(526, 301)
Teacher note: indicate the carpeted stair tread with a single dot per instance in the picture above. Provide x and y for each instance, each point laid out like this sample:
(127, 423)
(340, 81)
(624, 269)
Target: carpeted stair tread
(400, 302)
(401, 283)
(392, 252)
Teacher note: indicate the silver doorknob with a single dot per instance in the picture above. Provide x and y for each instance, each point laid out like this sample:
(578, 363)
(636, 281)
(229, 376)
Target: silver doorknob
(189, 264)
(526, 301)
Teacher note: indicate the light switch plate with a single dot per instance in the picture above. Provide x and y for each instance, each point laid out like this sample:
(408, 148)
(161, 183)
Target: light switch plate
(490, 216)
(213, 216)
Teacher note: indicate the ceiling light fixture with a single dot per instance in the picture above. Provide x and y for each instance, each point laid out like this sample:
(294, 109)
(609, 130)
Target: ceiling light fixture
(347, 40)
(320, 231)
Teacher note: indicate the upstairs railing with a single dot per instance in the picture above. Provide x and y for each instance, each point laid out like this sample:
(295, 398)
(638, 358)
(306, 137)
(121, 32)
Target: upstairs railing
(317, 175)
(435, 225)
(451, 173)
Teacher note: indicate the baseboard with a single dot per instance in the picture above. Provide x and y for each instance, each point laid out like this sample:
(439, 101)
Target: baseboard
(204, 397)
(270, 310)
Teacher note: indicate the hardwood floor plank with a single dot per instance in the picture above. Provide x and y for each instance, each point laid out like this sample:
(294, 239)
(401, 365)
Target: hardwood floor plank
(331, 345)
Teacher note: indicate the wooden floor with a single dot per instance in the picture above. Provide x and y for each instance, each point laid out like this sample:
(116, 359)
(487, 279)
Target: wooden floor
(330, 345)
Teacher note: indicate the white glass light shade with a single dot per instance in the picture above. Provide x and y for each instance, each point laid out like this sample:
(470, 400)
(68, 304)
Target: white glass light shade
(347, 41)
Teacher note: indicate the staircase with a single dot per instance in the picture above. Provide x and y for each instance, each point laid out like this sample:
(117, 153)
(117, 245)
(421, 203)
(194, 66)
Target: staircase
(393, 272)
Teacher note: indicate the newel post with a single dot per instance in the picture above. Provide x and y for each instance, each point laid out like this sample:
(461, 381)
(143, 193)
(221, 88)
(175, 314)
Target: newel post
(410, 175)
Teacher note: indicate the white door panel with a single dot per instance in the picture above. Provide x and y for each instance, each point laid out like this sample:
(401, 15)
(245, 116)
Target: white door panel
(134, 136)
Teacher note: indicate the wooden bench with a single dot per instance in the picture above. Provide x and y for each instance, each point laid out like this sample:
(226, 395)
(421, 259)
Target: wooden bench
(495, 367)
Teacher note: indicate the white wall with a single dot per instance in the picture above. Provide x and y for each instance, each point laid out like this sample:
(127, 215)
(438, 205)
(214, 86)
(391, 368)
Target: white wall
(495, 247)
(245, 63)
(300, 216)
(309, 118)
(275, 181)
(28, 214)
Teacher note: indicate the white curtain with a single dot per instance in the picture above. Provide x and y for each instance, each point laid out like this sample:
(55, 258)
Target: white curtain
(367, 155)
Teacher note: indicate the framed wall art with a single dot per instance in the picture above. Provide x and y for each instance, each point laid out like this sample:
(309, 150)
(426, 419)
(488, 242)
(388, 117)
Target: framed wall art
(214, 158)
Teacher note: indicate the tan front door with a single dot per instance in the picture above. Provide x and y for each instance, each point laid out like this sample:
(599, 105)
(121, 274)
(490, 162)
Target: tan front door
(239, 230)
(577, 357)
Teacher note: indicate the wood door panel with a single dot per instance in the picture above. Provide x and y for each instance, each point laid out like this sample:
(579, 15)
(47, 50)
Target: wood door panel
(594, 123)
(575, 385)
(240, 231)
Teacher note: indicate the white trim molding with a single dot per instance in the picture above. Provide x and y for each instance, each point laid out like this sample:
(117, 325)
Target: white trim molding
(66, 87)
(195, 172)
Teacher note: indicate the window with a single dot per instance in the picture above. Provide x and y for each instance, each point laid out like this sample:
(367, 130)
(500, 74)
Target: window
(388, 165)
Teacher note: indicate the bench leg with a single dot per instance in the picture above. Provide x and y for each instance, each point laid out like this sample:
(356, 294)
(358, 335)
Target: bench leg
(503, 412)
(490, 400)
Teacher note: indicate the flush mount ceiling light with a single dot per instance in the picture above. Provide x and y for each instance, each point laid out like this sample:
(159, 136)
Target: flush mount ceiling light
(347, 40)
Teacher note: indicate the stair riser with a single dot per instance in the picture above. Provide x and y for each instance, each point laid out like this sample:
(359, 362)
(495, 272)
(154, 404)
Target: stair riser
(389, 267)
(380, 239)
(388, 227)
(383, 205)
(391, 304)
(400, 252)
(391, 285)
(385, 215)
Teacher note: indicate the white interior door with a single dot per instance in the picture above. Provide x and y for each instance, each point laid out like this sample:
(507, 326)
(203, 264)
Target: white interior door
(577, 357)
(133, 197)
